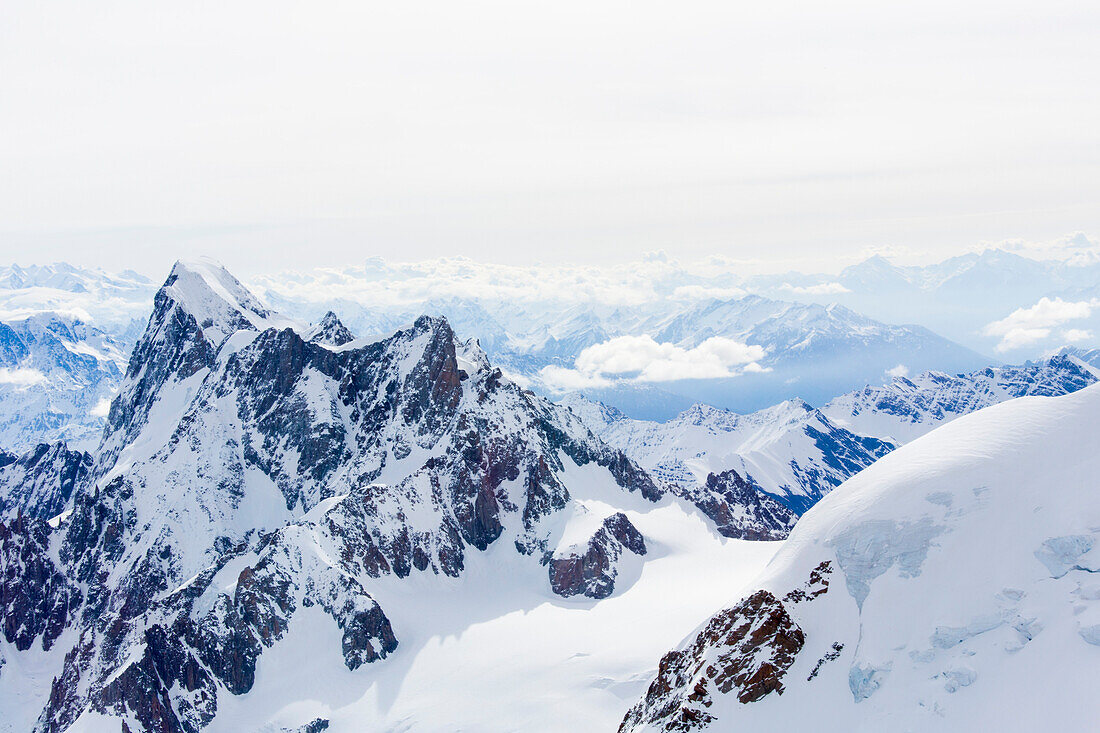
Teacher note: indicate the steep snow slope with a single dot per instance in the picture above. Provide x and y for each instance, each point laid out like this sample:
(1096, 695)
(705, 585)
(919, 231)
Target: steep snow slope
(790, 451)
(953, 585)
(57, 378)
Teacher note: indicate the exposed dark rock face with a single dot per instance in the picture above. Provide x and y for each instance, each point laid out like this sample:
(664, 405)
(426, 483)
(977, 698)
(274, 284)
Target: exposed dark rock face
(172, 348)
(229, 630)
(330, 331)
(830, 656)
(41, 482)
(844, 454)
(36, 600)
(817, 585)
(739, 509)
(592, 568)
(167, 689)
(745, 650)
(756, 641)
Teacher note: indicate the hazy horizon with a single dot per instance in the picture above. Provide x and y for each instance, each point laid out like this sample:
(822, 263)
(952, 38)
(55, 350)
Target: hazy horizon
(1074, 247)
(286, 134)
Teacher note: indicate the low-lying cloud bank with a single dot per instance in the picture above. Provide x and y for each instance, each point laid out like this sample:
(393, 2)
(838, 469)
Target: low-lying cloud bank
(643, 359)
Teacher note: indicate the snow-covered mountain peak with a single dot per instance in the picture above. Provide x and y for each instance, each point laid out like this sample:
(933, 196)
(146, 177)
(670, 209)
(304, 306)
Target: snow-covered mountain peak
(700, 413)
(329, 330)
(789, 450)
(219, 303)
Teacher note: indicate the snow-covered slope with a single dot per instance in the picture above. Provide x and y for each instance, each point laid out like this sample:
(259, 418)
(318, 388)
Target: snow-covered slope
(790, 451)
(57, 378)
(950, 586)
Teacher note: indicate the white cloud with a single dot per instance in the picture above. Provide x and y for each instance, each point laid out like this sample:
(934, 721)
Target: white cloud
(1073, 335)
(1026, 326)
(820, 289)
(1016, 338)
(899, 371)
(643, 359)
(21, 377)
(567, 380)
(388, 284)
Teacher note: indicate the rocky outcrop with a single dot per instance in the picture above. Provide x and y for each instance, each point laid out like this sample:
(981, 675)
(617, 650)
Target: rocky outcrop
(236, 617)
(591, 568)
(739, 509)
(744, 651)
(330, 331)
(41, 482)
(37, 601)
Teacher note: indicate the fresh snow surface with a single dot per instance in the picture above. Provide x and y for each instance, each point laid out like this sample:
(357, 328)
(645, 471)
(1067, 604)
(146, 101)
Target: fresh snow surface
(495, 650)
(967, 583)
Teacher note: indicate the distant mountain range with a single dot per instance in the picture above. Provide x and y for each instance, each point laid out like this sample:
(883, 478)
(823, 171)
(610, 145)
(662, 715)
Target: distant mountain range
(958, 297)
(783, 349)
(797, 453)
(809, 351)
(57, 378)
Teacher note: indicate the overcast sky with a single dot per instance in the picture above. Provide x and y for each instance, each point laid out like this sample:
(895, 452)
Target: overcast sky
(274, 134)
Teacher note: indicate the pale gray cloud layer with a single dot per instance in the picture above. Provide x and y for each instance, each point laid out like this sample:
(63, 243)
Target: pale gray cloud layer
(281, 134)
